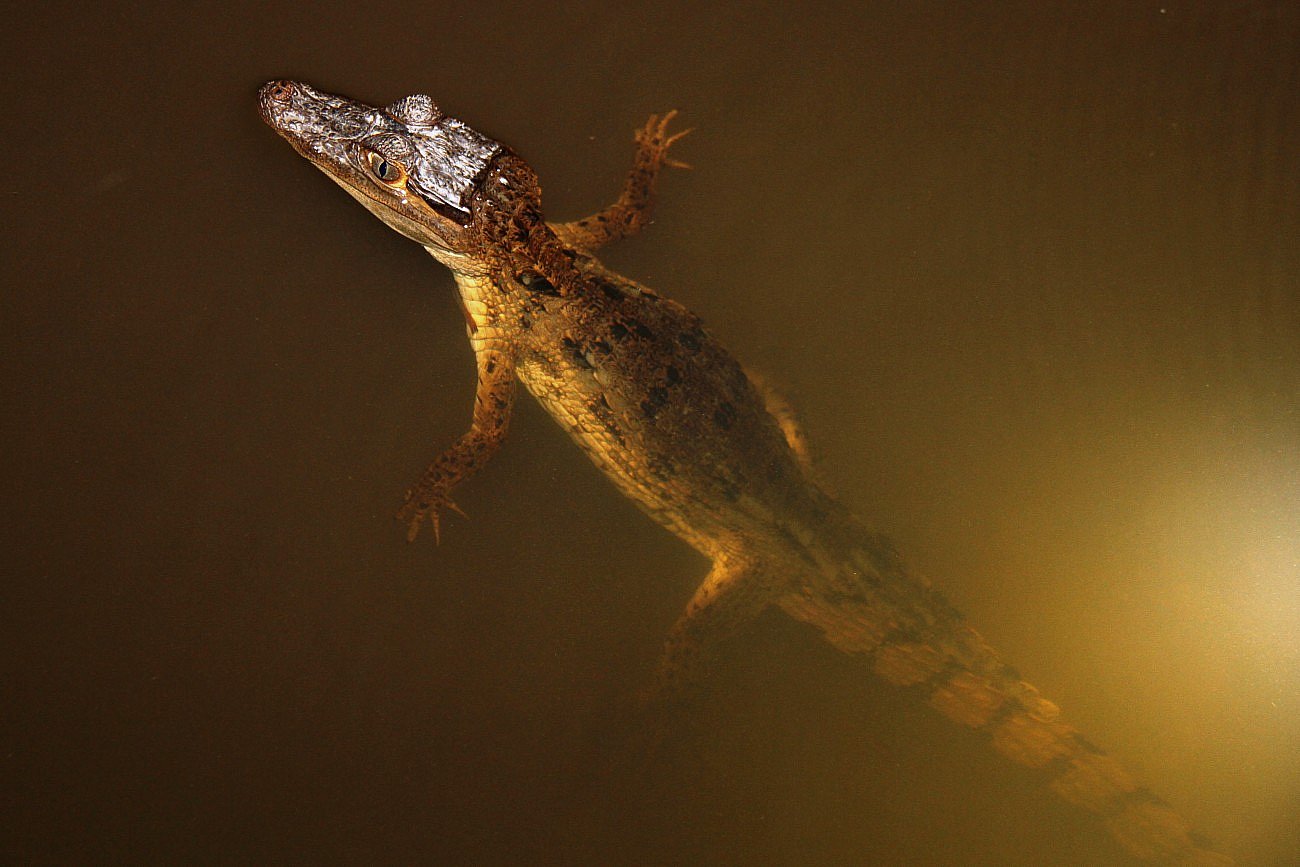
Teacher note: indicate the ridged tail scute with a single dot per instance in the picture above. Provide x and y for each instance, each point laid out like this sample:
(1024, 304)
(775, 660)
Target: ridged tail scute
(914, 639)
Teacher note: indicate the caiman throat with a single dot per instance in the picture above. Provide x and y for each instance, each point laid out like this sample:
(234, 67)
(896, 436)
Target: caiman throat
(702, 446)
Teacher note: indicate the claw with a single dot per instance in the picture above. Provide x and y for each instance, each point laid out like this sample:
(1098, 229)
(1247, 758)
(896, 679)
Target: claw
(413, 526)
(415, 512)
(654, 135)
(674, 137)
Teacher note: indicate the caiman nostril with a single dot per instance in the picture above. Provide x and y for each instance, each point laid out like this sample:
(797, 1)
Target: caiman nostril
(280, 91)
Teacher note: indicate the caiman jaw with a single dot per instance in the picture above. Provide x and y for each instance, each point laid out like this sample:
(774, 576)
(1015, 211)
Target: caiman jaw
(410, 165)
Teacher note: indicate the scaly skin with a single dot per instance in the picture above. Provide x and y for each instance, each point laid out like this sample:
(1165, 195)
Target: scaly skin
(677, 424)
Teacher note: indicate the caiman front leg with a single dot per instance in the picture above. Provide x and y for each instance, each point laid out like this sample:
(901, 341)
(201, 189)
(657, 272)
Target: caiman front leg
(493, 400)
(632, 210)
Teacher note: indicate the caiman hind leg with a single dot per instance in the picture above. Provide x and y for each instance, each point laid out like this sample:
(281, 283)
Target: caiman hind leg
(780, 408)
(734, 592)
(631, 211)
(493, 401)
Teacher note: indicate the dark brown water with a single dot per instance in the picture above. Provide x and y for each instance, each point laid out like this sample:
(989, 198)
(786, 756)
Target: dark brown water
(1029, 272)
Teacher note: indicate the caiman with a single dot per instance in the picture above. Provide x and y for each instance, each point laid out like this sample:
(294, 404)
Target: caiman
(681, 428)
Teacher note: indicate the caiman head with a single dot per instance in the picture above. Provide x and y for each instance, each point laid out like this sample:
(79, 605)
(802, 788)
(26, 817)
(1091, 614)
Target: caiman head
(410, 165)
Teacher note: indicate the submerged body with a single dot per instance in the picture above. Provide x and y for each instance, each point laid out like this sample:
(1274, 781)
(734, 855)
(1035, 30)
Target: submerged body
(681, 428)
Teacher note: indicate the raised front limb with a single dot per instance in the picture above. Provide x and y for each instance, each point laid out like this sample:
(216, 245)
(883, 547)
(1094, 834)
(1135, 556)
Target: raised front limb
(493, 400)
(632, 210)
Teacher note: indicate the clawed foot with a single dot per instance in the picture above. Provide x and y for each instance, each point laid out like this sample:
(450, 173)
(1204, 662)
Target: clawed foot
(422, 504)
(654, 140)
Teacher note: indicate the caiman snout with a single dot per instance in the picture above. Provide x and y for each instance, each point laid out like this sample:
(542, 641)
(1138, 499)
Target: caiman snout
(279, 91)
(275, 96)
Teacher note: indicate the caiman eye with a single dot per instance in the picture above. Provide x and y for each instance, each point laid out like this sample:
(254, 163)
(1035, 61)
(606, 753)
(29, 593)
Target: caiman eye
(386, 170)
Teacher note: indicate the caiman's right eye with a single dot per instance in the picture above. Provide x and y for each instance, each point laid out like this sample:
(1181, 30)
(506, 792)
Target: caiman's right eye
(386, 170)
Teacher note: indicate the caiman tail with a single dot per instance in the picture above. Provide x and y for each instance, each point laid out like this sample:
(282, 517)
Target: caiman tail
(865, 602)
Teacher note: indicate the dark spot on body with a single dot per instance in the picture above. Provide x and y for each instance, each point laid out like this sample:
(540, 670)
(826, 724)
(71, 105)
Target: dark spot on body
(491, 365)
(775, 470)
(672, 375)
(790, 539)
(725, 415)
(690, 340)
(535, 282)
(576, 352)
(611, 291)
(657, 399)
(1003, 712)
(661, 467)
(623, 330)
(941, 678)
(605, 417)
(1058, 766)
(601, 346)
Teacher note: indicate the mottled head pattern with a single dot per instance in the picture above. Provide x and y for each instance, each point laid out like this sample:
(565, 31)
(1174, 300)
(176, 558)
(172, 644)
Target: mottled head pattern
(412, 166)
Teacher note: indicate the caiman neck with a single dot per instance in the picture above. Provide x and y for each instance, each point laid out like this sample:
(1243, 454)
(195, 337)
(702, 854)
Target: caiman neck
(508, 229)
